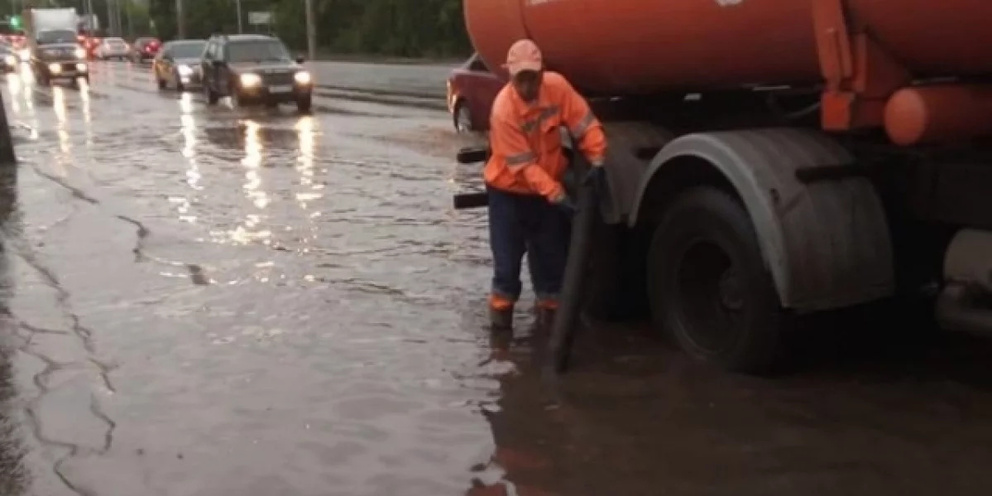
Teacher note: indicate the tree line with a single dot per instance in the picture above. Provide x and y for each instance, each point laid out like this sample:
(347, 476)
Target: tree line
(402, 28)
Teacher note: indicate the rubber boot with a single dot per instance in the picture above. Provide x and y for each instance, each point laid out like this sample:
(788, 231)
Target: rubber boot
(546, 311)
(500, 313)
(501, 319)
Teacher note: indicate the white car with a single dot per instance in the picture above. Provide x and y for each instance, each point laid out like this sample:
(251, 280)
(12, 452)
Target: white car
(112, 48)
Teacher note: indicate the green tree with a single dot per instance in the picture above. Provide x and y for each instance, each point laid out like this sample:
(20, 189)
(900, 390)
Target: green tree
(406, 28)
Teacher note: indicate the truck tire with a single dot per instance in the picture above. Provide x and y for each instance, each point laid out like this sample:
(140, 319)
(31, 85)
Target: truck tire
(304, 104)
(212, 97)
(708, 286)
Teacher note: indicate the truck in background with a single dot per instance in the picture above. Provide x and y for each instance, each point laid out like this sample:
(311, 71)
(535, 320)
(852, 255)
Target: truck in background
(776, 158)
(55, 52)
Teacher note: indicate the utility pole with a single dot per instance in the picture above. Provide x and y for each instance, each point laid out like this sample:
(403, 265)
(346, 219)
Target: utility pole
(311, 32)
(180, 24)
(120, 19)
(110, 17)
(127, 12)
(240, 29)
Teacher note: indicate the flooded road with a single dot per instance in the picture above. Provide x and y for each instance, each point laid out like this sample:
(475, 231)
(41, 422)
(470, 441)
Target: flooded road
(216, 301)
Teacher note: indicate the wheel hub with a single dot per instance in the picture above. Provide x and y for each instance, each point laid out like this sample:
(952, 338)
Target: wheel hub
(710, 295)
(730, 288)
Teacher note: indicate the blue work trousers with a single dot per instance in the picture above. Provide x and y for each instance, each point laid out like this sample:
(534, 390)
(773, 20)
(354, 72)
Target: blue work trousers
(528, 224)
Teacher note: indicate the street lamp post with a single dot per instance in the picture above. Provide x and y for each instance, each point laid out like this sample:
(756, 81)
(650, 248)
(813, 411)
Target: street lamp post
(311, 32)
(180, 25)
(240, 29)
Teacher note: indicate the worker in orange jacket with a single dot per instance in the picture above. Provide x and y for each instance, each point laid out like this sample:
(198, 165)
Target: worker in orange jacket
(523, 178)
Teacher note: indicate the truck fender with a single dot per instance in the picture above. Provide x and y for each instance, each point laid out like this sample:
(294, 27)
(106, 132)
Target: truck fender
(825, 242)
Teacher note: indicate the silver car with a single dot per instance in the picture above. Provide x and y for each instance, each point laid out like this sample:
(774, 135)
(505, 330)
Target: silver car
(112, 48)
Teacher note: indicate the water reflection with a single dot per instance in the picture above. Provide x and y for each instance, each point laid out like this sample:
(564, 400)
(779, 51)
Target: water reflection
(22, 93)
(84, 95)
(193, 175)
(62, 129)
(14, 85)
(526, 445)
(252, 161)
(304, 164)
(250, 230)
(65, 159)
(310, 191)
(14, 478)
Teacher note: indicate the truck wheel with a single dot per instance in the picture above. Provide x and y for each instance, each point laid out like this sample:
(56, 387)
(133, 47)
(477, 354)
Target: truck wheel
(708, 285)
(212, 97)
(304, 104)
(241, 100)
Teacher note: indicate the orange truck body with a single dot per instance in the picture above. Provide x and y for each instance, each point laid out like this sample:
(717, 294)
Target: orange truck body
(644, 46)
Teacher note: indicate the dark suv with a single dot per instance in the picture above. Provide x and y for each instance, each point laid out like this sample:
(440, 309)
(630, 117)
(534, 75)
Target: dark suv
(56, 54)
(254, 69)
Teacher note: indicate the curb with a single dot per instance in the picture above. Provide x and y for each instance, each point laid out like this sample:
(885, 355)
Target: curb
(438, 95)
(407, 99)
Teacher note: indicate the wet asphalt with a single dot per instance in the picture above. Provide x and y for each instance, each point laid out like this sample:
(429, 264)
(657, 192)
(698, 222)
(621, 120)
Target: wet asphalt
(219, 301)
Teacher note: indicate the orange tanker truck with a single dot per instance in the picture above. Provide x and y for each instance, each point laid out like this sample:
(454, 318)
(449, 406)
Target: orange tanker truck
(779, 158)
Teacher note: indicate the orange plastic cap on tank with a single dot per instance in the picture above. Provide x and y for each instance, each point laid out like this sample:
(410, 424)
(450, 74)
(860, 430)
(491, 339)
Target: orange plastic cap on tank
(939, 114)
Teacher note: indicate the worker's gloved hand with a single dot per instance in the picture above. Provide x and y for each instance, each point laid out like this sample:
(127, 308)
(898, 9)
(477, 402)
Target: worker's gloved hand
(563, 202)
(595, 177)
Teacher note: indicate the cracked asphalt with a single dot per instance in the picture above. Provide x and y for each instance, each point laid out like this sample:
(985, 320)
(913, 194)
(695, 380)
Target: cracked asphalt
(220, 301)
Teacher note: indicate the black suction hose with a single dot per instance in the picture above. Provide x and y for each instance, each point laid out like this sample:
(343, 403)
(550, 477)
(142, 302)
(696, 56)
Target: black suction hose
(573, 284)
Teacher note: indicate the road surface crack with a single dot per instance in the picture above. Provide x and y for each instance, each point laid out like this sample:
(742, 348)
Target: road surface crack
(41, 379)
(76, 192)
(143, 232)
(198, 275)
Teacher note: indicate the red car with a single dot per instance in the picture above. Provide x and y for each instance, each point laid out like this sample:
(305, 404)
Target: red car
(145, 49)
(471, 91)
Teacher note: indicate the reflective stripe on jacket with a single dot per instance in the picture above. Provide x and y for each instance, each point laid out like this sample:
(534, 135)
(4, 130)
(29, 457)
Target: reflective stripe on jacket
(526, 142)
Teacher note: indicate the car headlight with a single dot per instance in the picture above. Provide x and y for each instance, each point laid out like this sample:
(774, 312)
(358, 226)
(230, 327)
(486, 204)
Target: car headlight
(80, 53)
(81, 67)
(55, 68)
(303, 77)
(11, 60)
(185, 70)
(248, 80)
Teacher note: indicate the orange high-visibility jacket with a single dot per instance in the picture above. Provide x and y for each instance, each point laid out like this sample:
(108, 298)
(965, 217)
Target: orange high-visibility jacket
(526, 142)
